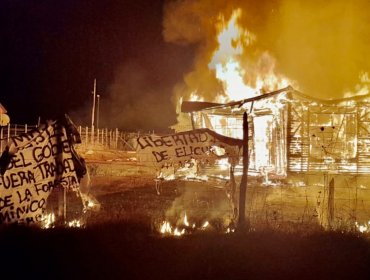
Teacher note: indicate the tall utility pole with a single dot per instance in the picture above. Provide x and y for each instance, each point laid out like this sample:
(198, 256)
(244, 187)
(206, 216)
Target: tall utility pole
(97, 112)
(242, 223)
(93, 112)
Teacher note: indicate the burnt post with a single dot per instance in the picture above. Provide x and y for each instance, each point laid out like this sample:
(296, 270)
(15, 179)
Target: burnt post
(242, 224)
(331, 204)
(192, 120)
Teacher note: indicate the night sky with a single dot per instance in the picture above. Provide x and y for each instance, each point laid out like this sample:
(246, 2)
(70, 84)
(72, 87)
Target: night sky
(53, 50)
(145, 54)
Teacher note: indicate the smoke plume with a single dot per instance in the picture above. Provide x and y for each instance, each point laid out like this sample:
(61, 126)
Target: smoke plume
(136, 99)
(322, 45)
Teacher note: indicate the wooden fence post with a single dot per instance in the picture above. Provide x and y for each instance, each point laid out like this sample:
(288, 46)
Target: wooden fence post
(242, 224)
(331, 204)
(102, 136)
(92, 135)
(1, 139)
(80, 131)
(110, 138)
(8, 132)
(87, 135)
(116, 138)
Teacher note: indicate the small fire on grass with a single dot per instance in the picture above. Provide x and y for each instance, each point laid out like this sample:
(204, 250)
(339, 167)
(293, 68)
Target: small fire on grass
(185, 227)
(49, 221)
(363, 228)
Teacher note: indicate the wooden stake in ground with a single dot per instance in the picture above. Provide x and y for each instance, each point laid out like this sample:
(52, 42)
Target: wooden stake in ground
(331, 204)
(242, 223)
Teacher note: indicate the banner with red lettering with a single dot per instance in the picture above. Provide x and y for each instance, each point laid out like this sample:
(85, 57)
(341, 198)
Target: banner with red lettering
(40, 161)
(179, 148)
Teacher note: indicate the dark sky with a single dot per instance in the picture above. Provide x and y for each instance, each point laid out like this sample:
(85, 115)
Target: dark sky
(53, 50)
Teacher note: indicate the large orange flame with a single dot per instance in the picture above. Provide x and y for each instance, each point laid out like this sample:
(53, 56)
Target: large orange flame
(226, 62)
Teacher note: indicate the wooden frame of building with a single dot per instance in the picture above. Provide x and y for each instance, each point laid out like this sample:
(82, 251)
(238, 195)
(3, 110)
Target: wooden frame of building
(291, 132)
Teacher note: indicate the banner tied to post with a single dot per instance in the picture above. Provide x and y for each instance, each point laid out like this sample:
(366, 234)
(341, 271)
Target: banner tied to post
(40, 161)
(178, 149)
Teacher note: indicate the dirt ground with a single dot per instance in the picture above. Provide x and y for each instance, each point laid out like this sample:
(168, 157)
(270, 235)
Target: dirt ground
(126, 191)
(122, 240)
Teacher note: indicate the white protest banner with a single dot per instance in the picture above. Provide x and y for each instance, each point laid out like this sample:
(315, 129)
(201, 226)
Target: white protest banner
(42, 160)
(179, 148)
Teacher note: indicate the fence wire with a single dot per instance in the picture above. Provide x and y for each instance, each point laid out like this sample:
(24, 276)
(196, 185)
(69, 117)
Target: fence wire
(301, 200)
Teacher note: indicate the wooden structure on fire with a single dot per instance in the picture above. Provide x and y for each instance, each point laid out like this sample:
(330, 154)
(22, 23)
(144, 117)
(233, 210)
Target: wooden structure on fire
(291, 132)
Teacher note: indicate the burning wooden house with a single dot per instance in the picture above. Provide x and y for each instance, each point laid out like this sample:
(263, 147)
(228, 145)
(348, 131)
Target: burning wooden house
(290, 132)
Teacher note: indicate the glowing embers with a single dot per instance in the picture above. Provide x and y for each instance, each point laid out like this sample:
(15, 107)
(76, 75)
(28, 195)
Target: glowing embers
(75, 223)
(363, 228)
